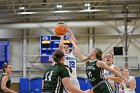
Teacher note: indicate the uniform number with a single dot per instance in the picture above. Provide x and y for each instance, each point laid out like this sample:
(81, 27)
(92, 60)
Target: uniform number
(71, 64)
(48, 76)
(89, 74)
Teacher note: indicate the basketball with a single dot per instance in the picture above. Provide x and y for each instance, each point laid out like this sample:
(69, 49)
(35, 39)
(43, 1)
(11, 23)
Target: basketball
(61, 29)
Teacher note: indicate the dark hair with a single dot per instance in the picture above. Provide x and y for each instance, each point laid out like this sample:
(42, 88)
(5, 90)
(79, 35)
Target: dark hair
(5, 65)
(98, 53)
(57, 55)
(109, 53)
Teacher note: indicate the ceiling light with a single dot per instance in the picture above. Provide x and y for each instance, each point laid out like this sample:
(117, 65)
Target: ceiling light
(87, 4)
(22, 8)
(61, 11)
(26, 13)
(58, 6)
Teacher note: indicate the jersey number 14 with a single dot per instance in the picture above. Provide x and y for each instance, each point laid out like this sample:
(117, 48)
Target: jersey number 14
(48, 76)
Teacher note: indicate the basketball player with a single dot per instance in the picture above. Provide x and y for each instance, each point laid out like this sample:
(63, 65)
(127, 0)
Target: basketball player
(129, 87)
(57, 76)
(94, 70)
(70, 59)
(5, 81)
(112, 79)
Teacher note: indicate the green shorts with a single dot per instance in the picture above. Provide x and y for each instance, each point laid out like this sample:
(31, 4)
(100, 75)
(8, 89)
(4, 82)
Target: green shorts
(105, 87)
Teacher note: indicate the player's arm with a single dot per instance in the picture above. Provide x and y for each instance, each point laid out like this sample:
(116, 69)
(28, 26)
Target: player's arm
(43, 81)
(72, 36)
(69, 87)
(61, 42)
(116, 79)
(82, 57)
(73, 41)
(3, 85)
(42, 84)
(103, 65)
(77, 51)
(67, 83)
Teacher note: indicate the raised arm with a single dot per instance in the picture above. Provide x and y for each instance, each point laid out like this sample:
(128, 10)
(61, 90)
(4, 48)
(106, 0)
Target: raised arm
(72, 36)
(61, 42)
(116, 79)
(77, 51)
(103, 65)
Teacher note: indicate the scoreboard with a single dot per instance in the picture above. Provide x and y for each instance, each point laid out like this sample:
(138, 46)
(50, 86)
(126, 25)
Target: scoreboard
(48, 44)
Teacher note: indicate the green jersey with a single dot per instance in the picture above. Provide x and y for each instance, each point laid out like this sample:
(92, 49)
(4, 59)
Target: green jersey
(53, 78)
(96, 78)
(94, 73)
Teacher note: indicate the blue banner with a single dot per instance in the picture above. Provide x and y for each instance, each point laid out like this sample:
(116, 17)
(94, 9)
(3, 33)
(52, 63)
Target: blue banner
(4, 52)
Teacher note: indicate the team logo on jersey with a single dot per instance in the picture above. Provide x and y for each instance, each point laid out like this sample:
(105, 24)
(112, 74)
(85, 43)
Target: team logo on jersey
(70, 58)
(90, 67)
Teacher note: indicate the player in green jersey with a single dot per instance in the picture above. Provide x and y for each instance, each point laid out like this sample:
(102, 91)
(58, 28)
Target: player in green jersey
(57, 76)
(94, 71)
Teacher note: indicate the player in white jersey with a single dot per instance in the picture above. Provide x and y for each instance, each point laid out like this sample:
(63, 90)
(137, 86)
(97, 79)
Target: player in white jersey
(129, 87)
(70, 59)
(112, 79)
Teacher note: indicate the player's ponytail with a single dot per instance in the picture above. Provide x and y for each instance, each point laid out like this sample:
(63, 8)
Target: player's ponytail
(98, 53)
(57, 55)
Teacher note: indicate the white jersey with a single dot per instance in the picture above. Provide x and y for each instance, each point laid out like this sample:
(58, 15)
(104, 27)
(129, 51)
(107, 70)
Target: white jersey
(115, 85)
(126, 87)
(70, 60)
(107, 73)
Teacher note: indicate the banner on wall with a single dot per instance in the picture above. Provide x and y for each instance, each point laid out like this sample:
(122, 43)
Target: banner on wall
(48, 44)
(4, 52)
